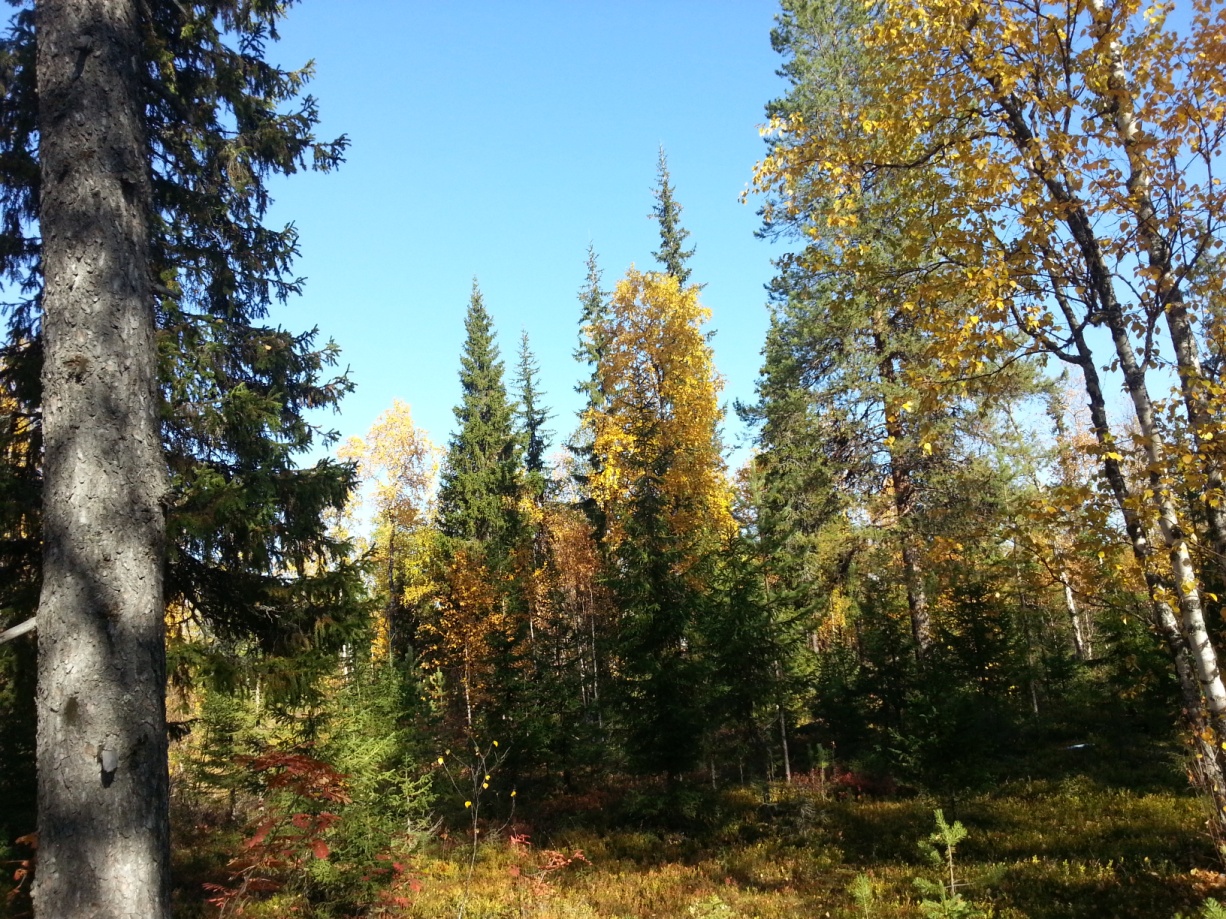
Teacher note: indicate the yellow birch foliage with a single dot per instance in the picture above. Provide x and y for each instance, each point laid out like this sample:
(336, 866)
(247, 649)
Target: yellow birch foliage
(1060, 160)
(1041, 145)
(398, 466)
(659, 416)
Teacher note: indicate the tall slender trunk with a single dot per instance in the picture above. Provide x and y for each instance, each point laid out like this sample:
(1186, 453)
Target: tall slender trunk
(1167, 292)
(904, 496)
(104, 847)
(1188, 640)
(1196, 645)
(783, 742)
(917, 597)
(1210, 768)
(1081, 640)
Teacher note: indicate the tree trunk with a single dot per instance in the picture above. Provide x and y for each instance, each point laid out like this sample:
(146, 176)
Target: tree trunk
(901, 465)
(104, 846)
(1081, 640)
(1183, 582)
(1119, 105)
(1209, 755)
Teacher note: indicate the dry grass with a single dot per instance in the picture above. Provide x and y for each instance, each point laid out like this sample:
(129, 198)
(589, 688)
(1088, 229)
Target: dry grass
(1036, 850)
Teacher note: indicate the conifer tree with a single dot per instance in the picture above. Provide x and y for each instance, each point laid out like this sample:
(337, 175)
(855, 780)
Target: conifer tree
(592, 320)
(480, 477)
(102, 657)
(667, 212)
(593, 325)
(532, 417)
(659, 487)
(247, 555)
(479, 623)
(243, 521)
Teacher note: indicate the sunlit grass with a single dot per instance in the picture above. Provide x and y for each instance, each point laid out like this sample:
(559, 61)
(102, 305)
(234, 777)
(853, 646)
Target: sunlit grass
(1037, 850)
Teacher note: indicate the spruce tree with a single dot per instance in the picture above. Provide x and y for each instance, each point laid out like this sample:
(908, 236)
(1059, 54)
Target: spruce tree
(593, 329)
(592, 320)
(480, 477)
(532, 416)
(248, 557)
(101, 748)
(480, 623)
(243, 521)
(667, 212)
(659, 487)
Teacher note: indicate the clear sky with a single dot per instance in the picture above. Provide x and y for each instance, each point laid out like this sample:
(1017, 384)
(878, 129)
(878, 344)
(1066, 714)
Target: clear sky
(499, 139)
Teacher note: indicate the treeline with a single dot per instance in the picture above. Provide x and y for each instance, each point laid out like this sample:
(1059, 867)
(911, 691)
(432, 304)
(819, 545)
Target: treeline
(595, 611)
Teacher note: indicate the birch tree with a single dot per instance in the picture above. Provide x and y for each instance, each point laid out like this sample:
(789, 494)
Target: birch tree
(1061, 164)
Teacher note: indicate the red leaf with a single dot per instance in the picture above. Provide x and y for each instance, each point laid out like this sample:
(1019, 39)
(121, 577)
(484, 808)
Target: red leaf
(320, 848)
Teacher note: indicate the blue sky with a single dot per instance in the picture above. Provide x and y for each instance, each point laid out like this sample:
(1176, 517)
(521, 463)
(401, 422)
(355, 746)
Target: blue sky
(498, 140)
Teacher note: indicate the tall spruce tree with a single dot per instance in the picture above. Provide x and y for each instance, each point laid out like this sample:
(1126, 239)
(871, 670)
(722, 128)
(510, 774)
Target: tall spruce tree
(593, 325)
(102, 771)
(479, 621)
(247, 554)
(480, 476)
(243, 521)
(532, 416)
(667, 212)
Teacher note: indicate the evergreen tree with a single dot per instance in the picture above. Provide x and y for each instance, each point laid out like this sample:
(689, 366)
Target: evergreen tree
(659, 487)
(532, 417)
(593, 326)
(667, 212)
(248, 556)
(480, 477)
(102, 651)
(592, 320)
(479, 624)
(244, 522)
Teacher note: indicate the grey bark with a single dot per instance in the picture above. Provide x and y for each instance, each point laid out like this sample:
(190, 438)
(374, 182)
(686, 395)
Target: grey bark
(901, 465)
(102, 777)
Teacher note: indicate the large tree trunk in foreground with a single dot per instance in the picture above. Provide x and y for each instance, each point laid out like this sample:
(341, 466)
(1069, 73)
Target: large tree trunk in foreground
(102, 778)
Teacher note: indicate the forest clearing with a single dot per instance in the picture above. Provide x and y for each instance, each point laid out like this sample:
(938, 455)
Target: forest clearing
(934, 635)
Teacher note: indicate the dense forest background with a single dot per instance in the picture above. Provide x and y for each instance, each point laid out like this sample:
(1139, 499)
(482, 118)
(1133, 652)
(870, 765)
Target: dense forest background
(970, 575)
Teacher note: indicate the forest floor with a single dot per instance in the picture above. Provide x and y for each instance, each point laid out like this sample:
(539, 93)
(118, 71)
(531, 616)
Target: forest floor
(1039, 850)
(1042, 849)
